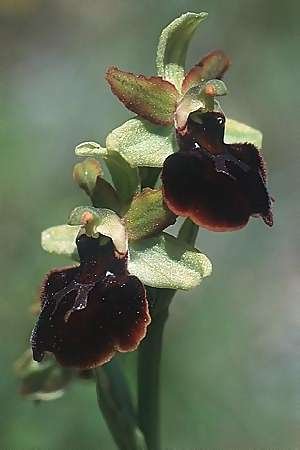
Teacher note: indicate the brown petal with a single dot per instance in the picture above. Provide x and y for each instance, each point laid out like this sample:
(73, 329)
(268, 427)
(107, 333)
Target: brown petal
(213, 65)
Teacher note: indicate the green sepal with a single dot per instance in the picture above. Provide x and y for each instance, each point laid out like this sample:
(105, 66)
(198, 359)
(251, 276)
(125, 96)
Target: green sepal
(101, 221)
(89, 176)
(148, 215)
(173, 45)
(142, 143)
(165, 262)
(152, 98)
(42, 381)
(237, 132)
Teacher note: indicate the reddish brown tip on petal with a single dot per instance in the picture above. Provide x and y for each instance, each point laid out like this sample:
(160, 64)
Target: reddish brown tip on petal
(213, 65)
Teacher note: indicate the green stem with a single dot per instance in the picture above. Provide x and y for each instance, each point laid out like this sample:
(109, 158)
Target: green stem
(150, 353)
(149, 358)
(115, 404)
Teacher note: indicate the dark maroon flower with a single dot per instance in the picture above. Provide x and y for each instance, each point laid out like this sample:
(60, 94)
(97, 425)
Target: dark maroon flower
(90, 311)
(219, 186)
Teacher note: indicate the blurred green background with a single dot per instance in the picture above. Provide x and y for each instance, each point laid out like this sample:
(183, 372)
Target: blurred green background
(231, 366)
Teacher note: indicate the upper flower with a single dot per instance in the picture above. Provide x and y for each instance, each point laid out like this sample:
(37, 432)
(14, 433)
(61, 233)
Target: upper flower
(218, 184)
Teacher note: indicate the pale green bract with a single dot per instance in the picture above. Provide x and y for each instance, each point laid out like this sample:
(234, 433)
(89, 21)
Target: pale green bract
(142, 143)
(237, 132)
(165, 262)
(172, 47)
(162, 262)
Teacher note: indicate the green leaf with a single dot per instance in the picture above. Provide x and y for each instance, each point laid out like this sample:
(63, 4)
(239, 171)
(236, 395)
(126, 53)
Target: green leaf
(213, 65)
(141, 143)
(147, 215)
(152, 98)
(101, 221)
(60, 240)
(89, 176)
(165, 262)
(237, 132)
(173, 45)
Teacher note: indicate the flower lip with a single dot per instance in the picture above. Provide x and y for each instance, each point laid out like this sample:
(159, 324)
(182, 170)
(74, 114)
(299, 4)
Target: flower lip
(90, 311)
(219, 186)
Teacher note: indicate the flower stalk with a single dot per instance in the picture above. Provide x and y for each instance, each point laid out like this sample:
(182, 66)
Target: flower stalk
(115, 404)
(149, 359)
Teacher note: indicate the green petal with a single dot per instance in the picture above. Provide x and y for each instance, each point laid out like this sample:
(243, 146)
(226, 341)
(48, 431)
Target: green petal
(165, 262)
(173, 45)
(141, 143)
(236, 132)
(152, 98)
(60, 240)
(148, 215)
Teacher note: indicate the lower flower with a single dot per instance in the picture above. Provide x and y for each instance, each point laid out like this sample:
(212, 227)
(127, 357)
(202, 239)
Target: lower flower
(219, 186)
(90, 311)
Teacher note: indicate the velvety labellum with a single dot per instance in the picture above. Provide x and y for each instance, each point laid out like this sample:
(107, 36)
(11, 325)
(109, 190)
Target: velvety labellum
(89, 312)
(218, 186)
